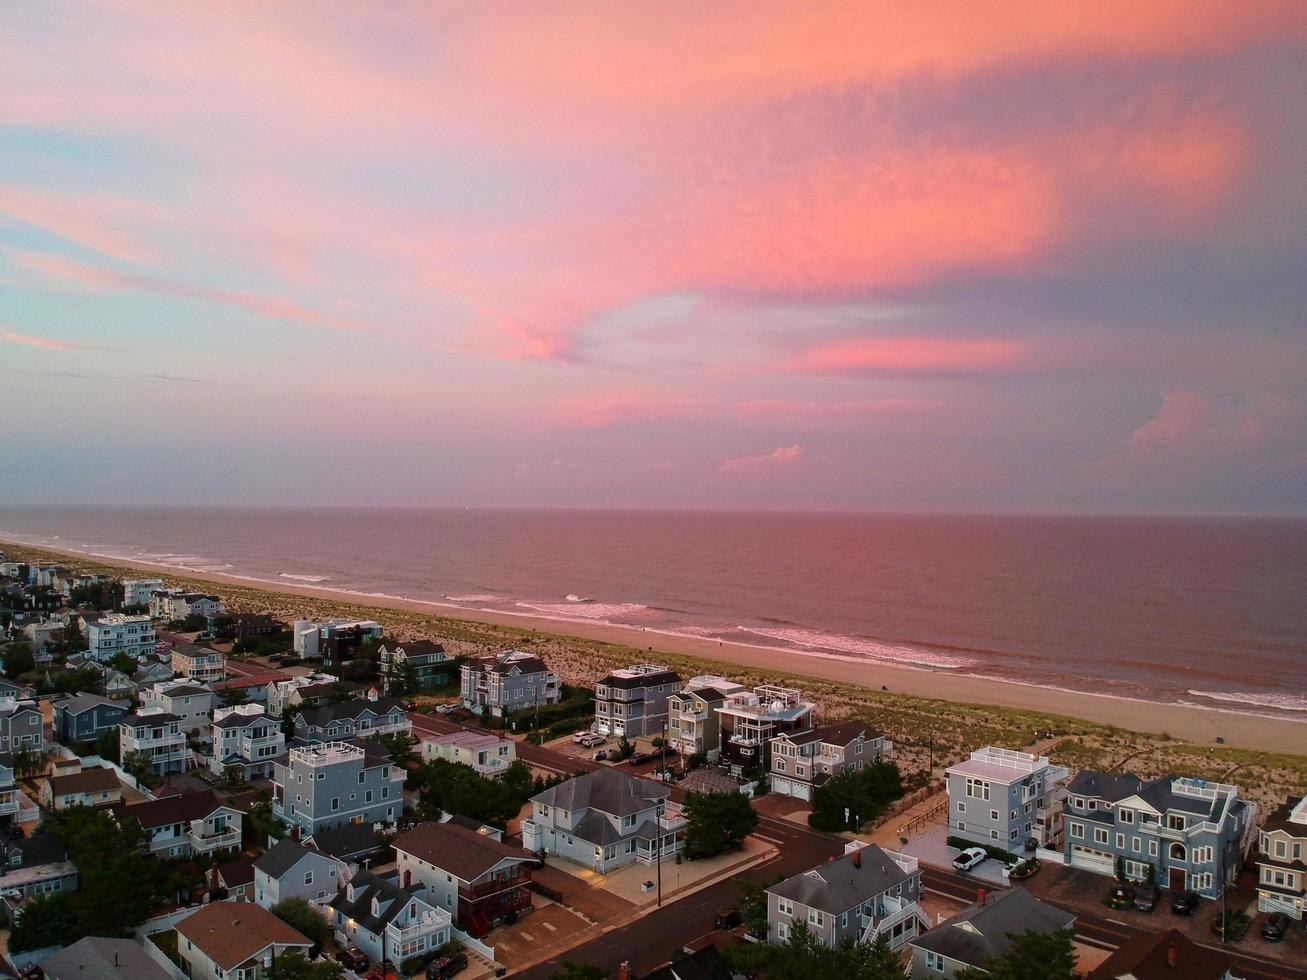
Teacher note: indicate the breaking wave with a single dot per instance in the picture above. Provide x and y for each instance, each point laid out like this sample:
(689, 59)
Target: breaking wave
(871, 649)
(1283, 702)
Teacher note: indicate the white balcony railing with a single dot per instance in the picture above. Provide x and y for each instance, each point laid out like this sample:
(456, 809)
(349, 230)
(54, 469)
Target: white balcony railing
(9, 802)
(426, 924)
(205, 843)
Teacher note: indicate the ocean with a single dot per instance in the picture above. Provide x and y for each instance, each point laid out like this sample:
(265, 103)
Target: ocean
(1205, 611)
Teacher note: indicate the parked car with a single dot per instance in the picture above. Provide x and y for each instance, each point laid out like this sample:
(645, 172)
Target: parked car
(592, 739)
(380, 974)
(410, 706)
(582, 735)
(444, 709)
(640, 758)
(446, 966)
(1275, 926)
(727, 919)
(1184, 903)
(969, 858)
(1146, 897)
(353, 957)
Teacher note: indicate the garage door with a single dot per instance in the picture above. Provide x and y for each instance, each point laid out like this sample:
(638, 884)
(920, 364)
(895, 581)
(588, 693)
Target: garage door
(801, 790)
(780, 784)
(1091, 860)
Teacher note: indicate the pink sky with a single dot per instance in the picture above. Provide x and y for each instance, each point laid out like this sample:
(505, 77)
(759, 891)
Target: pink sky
(956, 256)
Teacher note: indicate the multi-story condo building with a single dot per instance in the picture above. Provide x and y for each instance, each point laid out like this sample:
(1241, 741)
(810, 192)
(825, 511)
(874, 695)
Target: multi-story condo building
(234, 941)
(632, 701)
(863, 894)
(1004, 798)
(1282, 860)
(279, 691)
(984, 931)
(21, 725)
(171, 604)
(244, 736)
(478, 879)
(506, 682)
(751, 719)
(328, 640)
(107, 636)
(330, 784)
(385, 921)
(186, 824)
(605, 820)
(352, 719)
(1194, 834)
(200, 664)
(137, 591)
(802, 761)
(423, 663)
(488, 755)
(83, 717)
(158, 736)
(193, 705)
(693, 724)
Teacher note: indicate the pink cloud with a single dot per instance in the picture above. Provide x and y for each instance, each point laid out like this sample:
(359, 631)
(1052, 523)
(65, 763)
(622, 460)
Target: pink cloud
(779, 458)
(911, 356)
(45, 343)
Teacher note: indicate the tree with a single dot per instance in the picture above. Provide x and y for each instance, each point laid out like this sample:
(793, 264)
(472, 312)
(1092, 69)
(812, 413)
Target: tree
(572, 970)
(106, 744)
(232, 696)
(46, 921)
(294, 966)
(803, 957)
(399, 745)
(625, 748)
(233, 776)
(139, 765)
(288, 715)
(1033, 956)
(124, 663)
(849, 799)
(19, 659)
(753, 905)
(27, 762)
(303, 917)
(717, 822)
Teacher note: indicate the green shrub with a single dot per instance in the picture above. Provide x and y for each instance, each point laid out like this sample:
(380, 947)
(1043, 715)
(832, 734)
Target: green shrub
(997, 853)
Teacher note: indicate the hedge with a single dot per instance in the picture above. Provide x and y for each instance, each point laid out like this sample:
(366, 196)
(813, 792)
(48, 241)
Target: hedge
(997, 853)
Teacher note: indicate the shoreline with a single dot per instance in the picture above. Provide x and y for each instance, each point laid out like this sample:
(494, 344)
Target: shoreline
(1200, 725)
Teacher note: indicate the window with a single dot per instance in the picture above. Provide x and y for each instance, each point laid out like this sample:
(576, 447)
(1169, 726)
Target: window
(934, 961)
(962, 806)
(977, 789)
(308, 877)
(993, 814)
(361, 775)
(1134, 844)
(1100, 835)
(335, 802)
(1152, 848)
(1120, 842)
(816, 918)
(784, 906)
(782, 930)
(1175, 821)
(780, 765)
(1126, 816)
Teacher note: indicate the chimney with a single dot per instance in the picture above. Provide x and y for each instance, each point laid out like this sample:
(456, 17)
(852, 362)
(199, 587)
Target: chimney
(980, 896)
(624, 970)
(1171, 955)
(857, 859)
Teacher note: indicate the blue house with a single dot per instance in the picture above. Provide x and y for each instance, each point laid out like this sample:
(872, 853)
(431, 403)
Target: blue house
(82, 718)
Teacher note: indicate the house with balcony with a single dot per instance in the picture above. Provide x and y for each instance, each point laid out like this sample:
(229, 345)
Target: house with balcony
(1194, 834)
(693, 724)
(330, 784)
(1004, 798)
(486, 754)
(506, 682)
(802, 761)
(187, 824)
(312, 640)
(420, 664)
(108, 636)
(158, 736)
(278, 690)
(11, 798)
(199, 664)
(137, 591)
(21, 726)
(96, 786)
(234, 941)
(174, 604)
(244, 736)
(984, 931)
(41, 634)
(605, 820)
(352, 719)
(35, 867)
(386, 921)
(193, 705)
(751, 719)
(84, 717)
(632, 701)
(865, 893)
(331, 691)
(1282, 860)
(471, 874)
(288, 869)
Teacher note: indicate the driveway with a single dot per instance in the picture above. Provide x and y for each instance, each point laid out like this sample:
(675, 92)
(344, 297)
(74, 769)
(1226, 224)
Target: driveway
(523, 942)
(932, 848)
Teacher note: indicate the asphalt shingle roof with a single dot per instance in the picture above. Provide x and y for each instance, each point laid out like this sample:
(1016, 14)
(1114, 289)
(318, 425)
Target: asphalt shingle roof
(984, 930)
(610, 790)
(845, 882)
(458, 850)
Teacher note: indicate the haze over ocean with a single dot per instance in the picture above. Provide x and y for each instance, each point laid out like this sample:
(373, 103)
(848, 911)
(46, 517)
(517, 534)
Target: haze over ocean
(1202, 610)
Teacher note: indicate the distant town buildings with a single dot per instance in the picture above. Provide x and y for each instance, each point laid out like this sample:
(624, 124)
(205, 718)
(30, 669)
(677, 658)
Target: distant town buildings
(508, 682)
(632, 701)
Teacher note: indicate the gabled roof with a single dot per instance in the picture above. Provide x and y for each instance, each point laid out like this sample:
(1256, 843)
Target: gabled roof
(366, 887)
(609, 790)
(349, 841)
(97, 958)
(1103, 785)
(184, 690)
(462, 852)
(984, 930)
(97, 779)
(82, 703)
(1146, 956)
(237, 872)
(282, 857)
(845, 732)
(706, 964)
(230, 933)
(182, 808)
(327, 713)
(848, 880)
(417, 648)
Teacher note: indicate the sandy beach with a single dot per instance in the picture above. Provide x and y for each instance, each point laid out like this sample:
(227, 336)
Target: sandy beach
(1200, 726)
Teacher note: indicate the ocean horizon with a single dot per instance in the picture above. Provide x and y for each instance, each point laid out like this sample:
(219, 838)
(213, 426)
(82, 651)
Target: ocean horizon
(1198, 610)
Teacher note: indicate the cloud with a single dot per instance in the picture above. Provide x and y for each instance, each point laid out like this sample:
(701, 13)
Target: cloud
(174, 377)
(45, 343)
(779, 458)
(910, 356)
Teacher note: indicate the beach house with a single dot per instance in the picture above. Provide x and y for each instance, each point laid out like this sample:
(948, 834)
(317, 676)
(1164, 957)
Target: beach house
(415, 664)
(802, 761)
(1188, 834)
(486, 754)
(191, 703)
(984, 931)
(288, 869)
(84, 717)
(245, 737)
(108, 636)
(330, 784)
(693, 724)
(1282, 860)
(186, 824)
(863, 894)
(632, 701)
(234, 941)
(158, 737)
(199, 664)
(502, 683)
(1003, 798)
(137, 591)
(751, 719)
(385, 921)
(174, 604)
(352, 719)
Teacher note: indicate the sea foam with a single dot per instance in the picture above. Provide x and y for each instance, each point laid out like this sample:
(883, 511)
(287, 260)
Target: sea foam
(1282, 702)
(858, 646)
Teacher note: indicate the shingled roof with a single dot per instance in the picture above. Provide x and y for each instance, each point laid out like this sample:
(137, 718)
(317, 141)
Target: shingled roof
(606, 789)
(230, 933)
(458, 850)
(984, 930)
(848, 880)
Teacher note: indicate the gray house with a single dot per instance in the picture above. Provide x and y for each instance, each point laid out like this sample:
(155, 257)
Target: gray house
(36, 866)
(104, 959)
(604, 820)
(288, 869)
(330, 784)
(863, 894)
(1003, 798)
(386, 921)
(20, 726)
(352, 719)
(508, 682)
(424, 662)
(1192, 833)
(85, 717)
(983, 931)
(632, 701)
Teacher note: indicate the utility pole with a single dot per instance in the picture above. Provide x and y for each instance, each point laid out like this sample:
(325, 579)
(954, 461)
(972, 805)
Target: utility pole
(658, 823)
